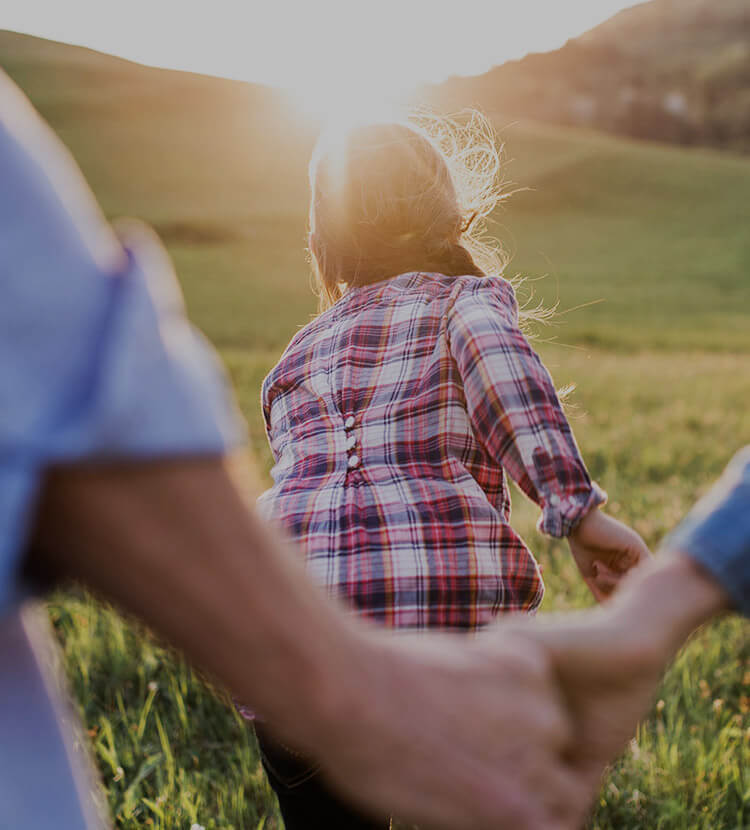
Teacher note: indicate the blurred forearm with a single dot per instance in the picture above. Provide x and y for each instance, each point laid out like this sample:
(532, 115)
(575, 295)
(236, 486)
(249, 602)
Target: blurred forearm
(669, 597)
(173, 543)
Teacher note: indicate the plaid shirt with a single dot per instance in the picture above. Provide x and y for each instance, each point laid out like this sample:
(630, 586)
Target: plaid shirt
(393, 418)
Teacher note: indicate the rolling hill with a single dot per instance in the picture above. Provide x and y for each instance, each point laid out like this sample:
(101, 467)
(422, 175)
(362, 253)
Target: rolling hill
(219, 168)
(669, 70)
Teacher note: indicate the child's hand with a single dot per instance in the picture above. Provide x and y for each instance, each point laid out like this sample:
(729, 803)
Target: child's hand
(605, 550)
(602, 580)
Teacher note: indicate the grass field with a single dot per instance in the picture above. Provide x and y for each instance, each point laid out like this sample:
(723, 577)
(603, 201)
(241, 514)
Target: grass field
(647, 251)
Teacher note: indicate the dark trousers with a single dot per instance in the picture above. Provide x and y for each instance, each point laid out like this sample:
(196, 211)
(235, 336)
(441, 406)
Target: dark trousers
(305, 800)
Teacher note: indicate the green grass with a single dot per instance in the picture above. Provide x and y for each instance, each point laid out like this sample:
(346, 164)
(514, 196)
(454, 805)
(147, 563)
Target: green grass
(661, 365)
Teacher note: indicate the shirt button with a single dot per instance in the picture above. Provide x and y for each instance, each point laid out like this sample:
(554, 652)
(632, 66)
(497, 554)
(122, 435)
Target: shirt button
(349, 422)
(351, 442)
(353, 462)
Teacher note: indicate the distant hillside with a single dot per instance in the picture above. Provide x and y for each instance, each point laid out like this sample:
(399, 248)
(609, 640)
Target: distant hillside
(54, 73)
(219, 169)
(671, 70)
(199, 141)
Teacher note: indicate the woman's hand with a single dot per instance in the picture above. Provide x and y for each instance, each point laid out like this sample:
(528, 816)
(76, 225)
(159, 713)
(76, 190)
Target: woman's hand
(605, 550)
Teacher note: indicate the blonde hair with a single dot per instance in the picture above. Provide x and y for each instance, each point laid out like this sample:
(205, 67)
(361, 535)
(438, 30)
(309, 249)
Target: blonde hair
(387, 198)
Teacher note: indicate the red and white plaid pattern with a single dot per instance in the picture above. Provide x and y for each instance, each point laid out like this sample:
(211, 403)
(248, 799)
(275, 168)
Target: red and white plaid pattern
(393, 418)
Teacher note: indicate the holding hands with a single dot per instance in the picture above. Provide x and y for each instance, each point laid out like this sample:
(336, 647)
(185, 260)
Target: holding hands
(608, 662)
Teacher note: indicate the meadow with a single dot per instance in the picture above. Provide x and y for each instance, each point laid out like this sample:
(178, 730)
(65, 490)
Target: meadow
(645, 250)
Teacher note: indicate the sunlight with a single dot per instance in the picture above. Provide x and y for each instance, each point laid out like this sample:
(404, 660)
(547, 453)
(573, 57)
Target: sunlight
(287, 43)
(349, 100)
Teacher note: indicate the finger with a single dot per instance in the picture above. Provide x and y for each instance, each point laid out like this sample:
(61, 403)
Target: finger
(605, 578)
(635, 553)
(600, 592)
(605, 574)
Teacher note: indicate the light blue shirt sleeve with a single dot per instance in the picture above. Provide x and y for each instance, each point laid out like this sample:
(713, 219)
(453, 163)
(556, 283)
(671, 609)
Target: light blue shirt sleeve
(716, 533)
(97, 360)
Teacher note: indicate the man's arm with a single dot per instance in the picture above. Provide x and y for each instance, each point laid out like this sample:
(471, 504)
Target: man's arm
(669, 598)
(172, 542)
(609, 661)
(716, 532)
(440, 730)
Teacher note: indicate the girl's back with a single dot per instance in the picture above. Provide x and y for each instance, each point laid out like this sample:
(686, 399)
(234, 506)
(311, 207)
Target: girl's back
(395, 415)
(390, 417)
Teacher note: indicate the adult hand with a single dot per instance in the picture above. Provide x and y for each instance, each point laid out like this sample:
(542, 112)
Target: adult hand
(605, 550)
(456, 733)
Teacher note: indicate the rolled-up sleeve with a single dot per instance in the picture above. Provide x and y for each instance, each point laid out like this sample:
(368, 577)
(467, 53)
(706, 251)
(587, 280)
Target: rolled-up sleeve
(513, 406)
(97, 360)
(716, 532)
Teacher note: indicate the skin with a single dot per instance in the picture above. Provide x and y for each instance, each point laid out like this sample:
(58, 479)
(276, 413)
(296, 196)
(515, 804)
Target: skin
(605, 550)
(512, 729)
(447, 732)
(608, 662)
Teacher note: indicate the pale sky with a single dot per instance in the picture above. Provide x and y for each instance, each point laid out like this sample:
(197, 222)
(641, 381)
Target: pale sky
(317, 48)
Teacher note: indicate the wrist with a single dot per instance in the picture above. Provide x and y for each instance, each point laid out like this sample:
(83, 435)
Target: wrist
(669, 597)
(591, 517)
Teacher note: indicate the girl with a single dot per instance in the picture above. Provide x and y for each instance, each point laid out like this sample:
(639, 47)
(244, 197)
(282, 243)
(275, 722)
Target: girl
(395, 415)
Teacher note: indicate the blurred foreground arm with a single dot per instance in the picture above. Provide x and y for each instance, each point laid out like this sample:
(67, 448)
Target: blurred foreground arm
(610, 660)
(441, 731)
(716, 532)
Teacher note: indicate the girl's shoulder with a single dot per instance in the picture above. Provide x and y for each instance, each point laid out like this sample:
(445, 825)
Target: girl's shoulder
(491, 294)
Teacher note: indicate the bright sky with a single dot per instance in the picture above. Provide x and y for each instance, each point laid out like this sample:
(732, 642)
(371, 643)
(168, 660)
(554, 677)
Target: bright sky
(320, 49)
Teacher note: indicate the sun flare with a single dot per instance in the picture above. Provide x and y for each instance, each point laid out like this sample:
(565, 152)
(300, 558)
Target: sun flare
(350, 100)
